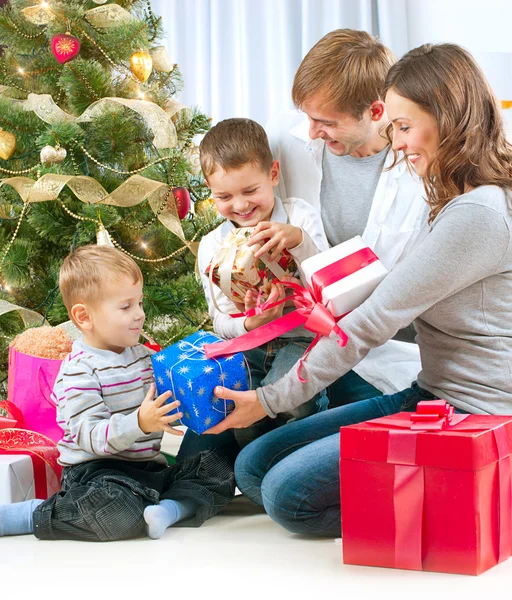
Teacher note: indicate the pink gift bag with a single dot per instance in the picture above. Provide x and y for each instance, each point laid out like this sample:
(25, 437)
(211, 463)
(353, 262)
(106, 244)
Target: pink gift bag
(30, 384)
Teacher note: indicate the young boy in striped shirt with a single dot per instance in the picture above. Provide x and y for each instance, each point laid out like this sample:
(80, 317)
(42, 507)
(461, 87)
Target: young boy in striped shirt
(115, 482)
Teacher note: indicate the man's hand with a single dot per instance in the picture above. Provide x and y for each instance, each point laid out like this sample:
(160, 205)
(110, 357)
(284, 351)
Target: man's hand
(153, 413)
(247, 411)
(277, 237)
(277, 292)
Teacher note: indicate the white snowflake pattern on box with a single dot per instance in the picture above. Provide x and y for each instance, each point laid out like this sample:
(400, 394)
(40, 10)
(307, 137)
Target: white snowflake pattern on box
(185, 371)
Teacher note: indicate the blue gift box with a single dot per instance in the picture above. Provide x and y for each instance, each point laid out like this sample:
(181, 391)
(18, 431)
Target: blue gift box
(191, 377)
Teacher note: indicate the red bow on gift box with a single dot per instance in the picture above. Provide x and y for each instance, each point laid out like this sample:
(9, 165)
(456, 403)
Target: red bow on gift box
(310, 312)
(432, 416)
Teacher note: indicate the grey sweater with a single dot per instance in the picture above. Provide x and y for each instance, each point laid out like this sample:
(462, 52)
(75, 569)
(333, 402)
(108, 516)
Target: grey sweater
(457, 288)
(98, 395)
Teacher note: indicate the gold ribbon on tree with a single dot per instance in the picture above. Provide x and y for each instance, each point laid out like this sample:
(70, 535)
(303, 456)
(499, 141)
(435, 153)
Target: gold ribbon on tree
(156, 118)
(30, 317)
(133, 191)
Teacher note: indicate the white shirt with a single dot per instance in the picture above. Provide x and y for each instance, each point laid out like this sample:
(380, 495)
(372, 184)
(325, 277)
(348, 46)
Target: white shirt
(399, 213)
(293, 211)
(397, 221)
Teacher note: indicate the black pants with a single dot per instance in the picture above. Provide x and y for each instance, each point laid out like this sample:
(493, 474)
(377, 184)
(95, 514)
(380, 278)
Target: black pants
(104, 500)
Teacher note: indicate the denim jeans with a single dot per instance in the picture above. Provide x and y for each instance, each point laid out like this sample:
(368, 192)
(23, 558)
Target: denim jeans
(104, 500)
(347, 389)
(294, 471)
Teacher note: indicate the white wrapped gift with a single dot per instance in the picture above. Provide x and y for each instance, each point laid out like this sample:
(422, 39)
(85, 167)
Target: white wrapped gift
(348, 292)
(17, 478)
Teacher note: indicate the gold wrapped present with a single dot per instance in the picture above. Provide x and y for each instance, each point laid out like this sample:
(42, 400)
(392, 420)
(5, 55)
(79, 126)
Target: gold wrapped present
(235, 269)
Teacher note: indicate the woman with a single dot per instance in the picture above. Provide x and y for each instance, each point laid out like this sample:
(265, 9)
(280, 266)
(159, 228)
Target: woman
(456, 286)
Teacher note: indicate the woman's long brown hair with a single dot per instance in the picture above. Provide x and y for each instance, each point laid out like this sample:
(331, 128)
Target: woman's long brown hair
(445, 81)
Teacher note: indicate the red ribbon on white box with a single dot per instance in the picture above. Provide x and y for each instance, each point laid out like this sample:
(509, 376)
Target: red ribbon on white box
(42, 451)
(310, 312)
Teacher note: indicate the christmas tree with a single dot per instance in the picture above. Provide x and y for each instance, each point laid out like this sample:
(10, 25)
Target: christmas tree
(96, 148)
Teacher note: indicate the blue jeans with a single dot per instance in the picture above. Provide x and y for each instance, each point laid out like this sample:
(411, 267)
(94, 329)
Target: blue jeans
(267, 364)
(294, 471)
(347, 389)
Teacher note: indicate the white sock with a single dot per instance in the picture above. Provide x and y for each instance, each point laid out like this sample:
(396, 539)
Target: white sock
(159, 517)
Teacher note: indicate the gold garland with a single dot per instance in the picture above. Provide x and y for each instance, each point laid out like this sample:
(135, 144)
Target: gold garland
(14, 235)
(104, 166)
(132, 192)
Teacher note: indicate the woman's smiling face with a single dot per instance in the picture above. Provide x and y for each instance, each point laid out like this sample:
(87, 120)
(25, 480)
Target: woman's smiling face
(415, 132)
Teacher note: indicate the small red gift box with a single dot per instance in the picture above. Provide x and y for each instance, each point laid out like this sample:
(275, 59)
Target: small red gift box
(428, 491)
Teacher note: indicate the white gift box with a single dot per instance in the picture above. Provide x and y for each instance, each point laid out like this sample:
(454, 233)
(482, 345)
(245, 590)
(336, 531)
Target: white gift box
(17, 478)
(349, 292)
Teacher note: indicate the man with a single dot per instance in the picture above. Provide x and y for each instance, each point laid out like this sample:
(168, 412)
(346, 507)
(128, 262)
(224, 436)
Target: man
(335, 155)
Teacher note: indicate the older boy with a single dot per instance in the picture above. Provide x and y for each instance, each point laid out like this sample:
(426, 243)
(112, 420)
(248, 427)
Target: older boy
(239, 168)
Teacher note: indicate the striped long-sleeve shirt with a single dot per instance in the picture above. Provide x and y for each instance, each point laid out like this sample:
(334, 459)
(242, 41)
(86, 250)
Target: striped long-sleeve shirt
(98, 395)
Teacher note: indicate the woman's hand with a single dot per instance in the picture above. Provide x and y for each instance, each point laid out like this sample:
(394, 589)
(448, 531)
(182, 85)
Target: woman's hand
(277, 237)
(248, 410)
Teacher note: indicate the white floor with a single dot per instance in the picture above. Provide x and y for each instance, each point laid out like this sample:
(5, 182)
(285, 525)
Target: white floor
(240, 553)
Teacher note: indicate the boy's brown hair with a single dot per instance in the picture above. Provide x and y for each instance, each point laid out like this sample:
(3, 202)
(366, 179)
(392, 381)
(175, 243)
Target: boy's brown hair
(85, 271)
(347, 68)
(232, 143)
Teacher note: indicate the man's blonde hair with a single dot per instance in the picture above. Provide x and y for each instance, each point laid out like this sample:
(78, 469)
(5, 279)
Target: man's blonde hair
(347, 68)
(232, 143)
(85, 271)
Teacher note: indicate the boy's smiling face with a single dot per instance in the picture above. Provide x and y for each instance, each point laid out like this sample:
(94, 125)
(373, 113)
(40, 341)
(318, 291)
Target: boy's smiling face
(245, 195)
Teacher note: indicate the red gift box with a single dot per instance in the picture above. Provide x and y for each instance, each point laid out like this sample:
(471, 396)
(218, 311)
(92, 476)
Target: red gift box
(428, 491)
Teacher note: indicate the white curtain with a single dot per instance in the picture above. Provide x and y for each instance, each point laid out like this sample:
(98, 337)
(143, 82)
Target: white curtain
(239, 57)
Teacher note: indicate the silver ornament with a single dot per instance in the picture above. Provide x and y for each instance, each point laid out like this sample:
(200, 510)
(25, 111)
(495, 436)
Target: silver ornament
(48, 155)
(161, 60)
(60, 154)
(103, 237)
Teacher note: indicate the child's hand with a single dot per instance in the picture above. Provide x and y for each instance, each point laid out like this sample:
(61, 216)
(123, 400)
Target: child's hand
(277, 292)
(277, 237)
(153, 413)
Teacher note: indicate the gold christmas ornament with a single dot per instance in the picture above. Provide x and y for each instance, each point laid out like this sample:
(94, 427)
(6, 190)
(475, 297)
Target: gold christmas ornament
(141, 65)
(7, 144)
(103, 237)
(161, 60)
(204, 206)
(51, 155)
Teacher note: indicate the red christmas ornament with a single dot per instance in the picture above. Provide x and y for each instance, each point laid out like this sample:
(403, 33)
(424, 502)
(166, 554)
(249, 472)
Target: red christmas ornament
(65, 47)
(182, 198)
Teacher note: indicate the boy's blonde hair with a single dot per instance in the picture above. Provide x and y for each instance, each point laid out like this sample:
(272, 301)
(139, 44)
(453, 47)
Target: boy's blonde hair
(232, 143)
(85, 271)
(347, 68)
